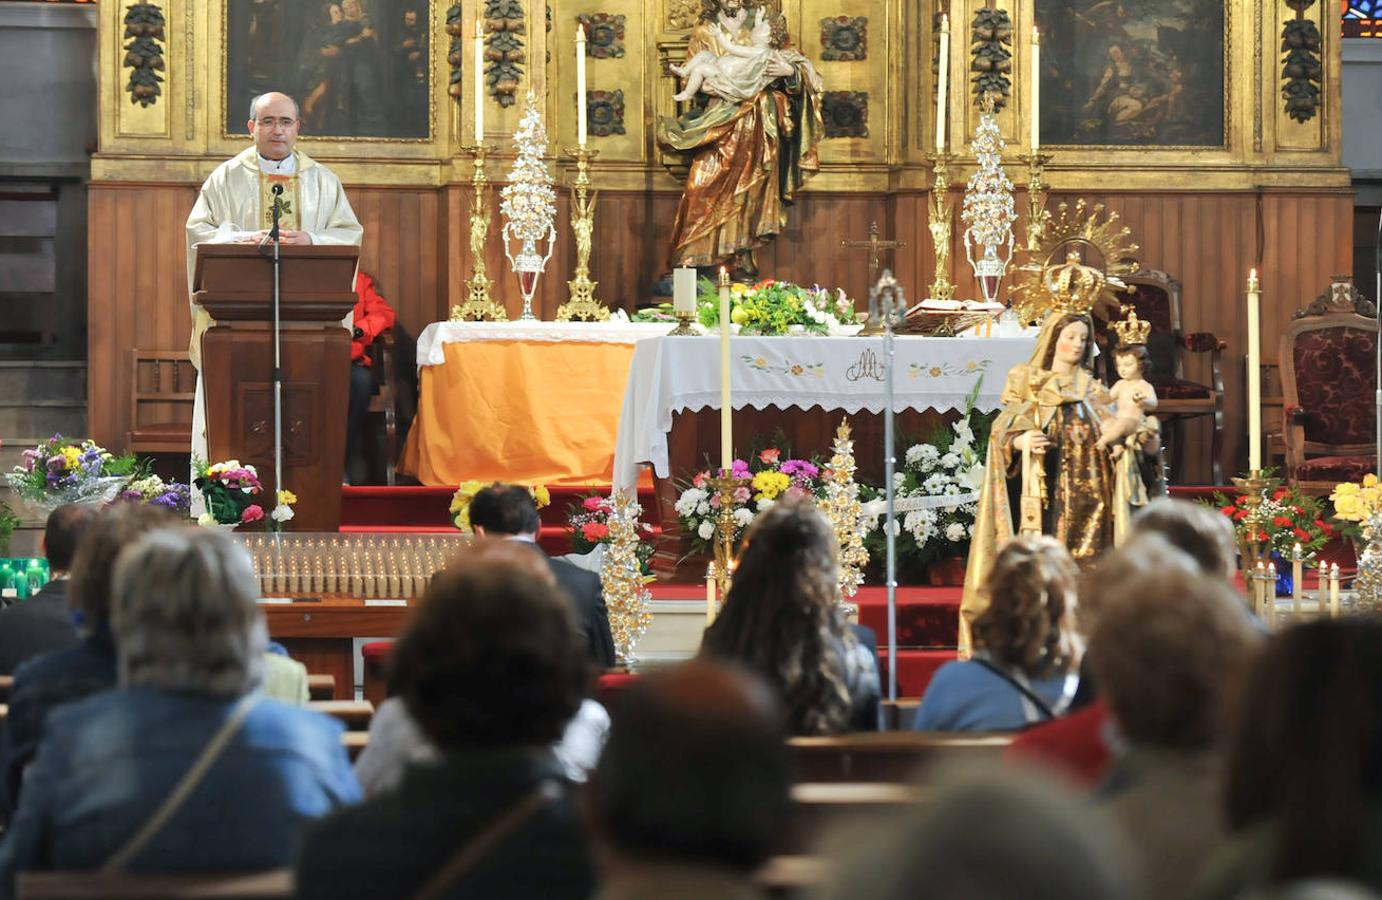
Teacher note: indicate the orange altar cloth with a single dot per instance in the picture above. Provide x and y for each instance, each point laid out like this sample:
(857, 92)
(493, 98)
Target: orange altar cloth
(523, 411)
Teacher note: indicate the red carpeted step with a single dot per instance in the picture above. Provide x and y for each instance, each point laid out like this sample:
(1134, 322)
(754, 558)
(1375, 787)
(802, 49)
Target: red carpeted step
(927, 617)
(914, 670)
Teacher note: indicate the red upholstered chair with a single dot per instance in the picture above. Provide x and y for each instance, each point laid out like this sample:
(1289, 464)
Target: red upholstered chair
(1328, 380)
(1156, 298)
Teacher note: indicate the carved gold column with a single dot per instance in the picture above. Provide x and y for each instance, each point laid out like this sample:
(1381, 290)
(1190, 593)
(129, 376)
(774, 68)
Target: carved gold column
(582, 304)
(479, 305)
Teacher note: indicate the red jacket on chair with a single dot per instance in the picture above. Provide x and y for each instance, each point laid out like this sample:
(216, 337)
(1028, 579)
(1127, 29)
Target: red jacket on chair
(373, 316)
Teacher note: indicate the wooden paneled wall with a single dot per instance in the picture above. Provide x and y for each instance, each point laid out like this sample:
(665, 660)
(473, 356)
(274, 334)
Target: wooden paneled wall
(417, 244)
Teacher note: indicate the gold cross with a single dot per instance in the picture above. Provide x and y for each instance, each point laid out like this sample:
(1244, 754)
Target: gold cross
(874, 245)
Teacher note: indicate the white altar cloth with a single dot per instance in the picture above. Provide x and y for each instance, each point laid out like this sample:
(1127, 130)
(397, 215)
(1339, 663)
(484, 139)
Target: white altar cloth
(677, 374)
(437, 335)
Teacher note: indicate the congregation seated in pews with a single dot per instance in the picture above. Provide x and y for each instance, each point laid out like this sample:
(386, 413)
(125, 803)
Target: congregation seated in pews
(1176, 750)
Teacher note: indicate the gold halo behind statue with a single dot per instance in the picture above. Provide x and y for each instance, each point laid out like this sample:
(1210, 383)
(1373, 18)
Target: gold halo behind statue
(1079, 265)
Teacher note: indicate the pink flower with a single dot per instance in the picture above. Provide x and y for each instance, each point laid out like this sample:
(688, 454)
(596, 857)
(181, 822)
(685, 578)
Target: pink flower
(592, 504)
(700, 479)
(252, 513)
(770, 456)
(742, 494)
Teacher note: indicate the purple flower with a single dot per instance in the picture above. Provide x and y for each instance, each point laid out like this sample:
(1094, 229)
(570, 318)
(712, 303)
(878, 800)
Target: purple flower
(794, 467)
(739, 469)
(131, 495)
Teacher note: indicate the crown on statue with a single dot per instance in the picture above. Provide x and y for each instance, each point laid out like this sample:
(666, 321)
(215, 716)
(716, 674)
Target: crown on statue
(1073, 286)
(1132, 330)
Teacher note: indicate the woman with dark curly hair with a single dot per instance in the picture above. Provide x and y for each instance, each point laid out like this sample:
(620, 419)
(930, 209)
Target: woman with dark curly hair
(782, 619)
(1026, 653)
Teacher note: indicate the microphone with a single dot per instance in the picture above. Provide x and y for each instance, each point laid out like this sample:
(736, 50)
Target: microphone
(277, 191)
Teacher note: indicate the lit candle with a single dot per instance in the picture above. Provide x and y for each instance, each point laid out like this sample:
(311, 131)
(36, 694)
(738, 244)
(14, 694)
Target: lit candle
(726, 408)
(479, 77)
(1255, 590)
(1268, 577)
(942, 82)
(710, 595)
(1334, 591)
(1297, 570)
(580, 86)
(684, 290)
(1254, 373)
(1036, 90)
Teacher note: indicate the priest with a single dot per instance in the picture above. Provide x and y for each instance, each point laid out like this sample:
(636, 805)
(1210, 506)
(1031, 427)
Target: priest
(236, 204)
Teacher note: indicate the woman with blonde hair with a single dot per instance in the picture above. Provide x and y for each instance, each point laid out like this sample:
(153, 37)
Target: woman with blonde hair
(1026, 651)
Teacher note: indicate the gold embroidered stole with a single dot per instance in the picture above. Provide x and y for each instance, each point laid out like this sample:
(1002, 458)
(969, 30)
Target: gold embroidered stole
(287, 201)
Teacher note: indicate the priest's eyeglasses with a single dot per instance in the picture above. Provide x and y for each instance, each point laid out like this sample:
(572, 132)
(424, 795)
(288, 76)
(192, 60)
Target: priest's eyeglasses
(281, 122)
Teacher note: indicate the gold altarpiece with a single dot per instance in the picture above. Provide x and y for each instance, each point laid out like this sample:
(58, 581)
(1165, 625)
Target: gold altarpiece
(1273, 195)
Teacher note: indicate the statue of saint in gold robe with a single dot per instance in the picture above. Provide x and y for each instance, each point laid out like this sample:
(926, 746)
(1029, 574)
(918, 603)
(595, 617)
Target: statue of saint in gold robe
(1074, 491)
(747, 157)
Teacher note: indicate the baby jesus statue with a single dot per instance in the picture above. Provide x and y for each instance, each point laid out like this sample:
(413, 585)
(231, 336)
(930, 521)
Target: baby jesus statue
(740, 74)
(1133, 396)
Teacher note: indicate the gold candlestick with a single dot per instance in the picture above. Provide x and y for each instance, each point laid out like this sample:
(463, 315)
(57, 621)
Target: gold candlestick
(1254, 488)
(479, 305)
(725, 484)
(940, 208)
(583, 304)
(1036, 200)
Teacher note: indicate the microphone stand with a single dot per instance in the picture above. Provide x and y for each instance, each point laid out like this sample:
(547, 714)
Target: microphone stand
(886, 297)
(278, 348)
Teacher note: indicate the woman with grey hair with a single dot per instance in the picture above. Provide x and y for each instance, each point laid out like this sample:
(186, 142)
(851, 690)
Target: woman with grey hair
(185, 766)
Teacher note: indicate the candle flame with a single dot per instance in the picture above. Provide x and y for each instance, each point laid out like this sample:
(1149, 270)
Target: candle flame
(580, 34)
(1252, 274)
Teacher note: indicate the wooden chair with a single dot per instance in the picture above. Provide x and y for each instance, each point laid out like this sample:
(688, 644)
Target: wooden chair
(162, 390)
(886, 755)
(274, 885)
(1328, 379)
(1156, 298)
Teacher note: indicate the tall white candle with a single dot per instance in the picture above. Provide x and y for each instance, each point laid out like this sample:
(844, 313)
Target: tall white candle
(580, 86)
(1254, 373)
(1036, 90)
(479, 77)
(942, 83)
(1334, 591)
(684, 290)
(726, 398)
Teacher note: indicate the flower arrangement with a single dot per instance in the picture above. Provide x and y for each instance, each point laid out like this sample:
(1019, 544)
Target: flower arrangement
(944, 465)
(1285, 519)
(769, 308)
(589, 524)
(1355, 504)
(770, 475)
(153, 490)
(460, 501)
(229, 490)
(59, 471)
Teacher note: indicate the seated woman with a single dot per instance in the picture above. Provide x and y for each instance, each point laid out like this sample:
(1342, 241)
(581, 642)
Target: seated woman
(1026, 653)
(782, 619)
(185, 767)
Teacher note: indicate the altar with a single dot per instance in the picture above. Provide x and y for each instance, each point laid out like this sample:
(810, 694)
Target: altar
(572, 404)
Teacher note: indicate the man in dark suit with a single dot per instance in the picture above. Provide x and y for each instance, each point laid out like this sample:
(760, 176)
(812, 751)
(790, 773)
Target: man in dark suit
(43, 622)
(508, 511)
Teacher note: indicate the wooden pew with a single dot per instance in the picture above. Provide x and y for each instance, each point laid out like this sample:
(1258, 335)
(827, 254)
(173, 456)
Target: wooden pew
(887, 755)
(356, 714)
(274, 885)
(321, 687)
(355, 743)
(898, 715)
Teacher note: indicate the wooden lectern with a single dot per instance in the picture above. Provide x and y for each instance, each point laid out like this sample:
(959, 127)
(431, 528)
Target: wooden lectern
(234, 283)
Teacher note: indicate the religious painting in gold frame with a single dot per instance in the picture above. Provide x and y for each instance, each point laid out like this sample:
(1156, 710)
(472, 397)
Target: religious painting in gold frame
(1134, 73)
(359, 69)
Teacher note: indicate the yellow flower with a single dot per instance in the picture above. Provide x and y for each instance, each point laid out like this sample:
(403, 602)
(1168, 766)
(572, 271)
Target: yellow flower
(287, 497)
(71, 457)
(1369, 480)
(738, 288)
(1347, 507)
(935, 372)
(541, 496)
(770, 484)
